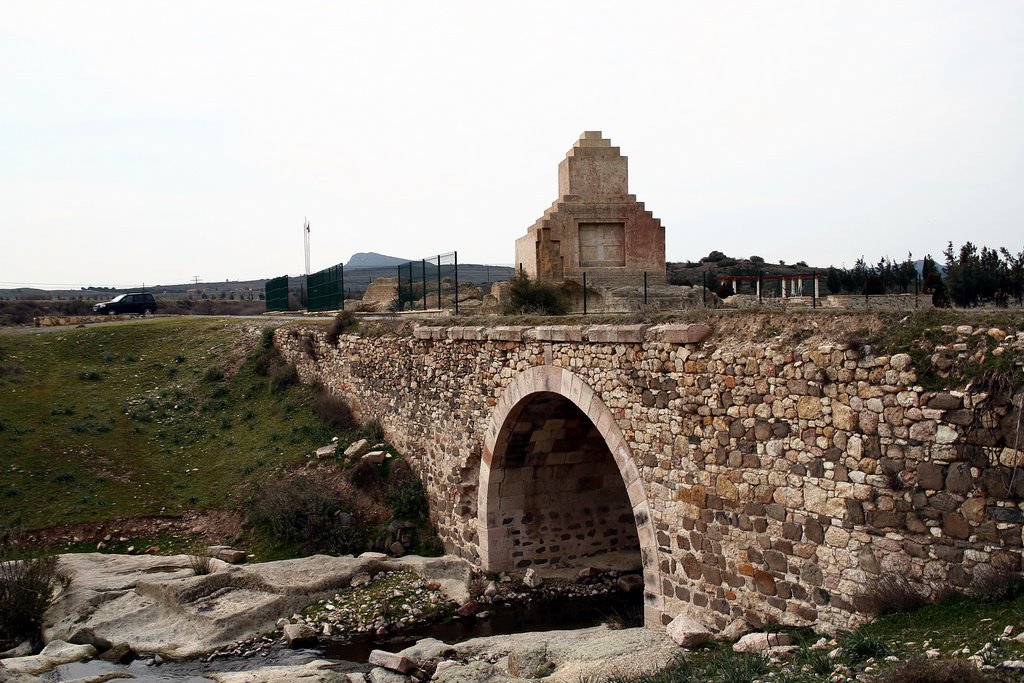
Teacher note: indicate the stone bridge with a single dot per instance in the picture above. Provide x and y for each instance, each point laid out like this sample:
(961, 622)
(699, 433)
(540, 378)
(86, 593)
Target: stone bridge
(768, 480)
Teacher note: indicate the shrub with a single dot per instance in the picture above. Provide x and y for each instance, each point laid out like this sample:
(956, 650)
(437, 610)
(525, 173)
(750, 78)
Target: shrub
(282, 376)
(860, 645)
(935, 671)
(200, 564)
(374, 431)
(891, 593)
(303, 512)
(214, 373)
(333, 409)
(308, 345)
(12, 372)
(27, 589)
(527, 297)
(345, 321)
(366, 476)
(408, 499)
(90, 375)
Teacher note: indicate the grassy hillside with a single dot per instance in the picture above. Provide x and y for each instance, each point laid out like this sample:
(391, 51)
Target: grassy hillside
(153, 417)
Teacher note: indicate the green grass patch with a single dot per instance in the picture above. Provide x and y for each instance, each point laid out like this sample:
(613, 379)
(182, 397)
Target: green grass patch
(125, 439)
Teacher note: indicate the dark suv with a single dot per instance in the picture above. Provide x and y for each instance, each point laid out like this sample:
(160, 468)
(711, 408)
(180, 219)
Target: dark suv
(133, 302)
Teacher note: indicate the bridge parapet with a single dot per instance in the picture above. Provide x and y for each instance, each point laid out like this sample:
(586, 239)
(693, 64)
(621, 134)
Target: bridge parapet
(771, 479)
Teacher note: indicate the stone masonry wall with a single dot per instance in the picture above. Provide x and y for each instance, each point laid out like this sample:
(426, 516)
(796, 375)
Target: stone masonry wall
(782, 480)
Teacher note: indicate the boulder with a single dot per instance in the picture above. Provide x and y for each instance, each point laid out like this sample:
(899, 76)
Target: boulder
(357, 449)
(392, 661)
(630, 582)
(87, 636)
(299, 635)
(22, 650)
(762, 642)
(426, 653)
(326, 451)
(232, 556)
(55, 653)
(375, 457)
(532, 579)
(686, 632)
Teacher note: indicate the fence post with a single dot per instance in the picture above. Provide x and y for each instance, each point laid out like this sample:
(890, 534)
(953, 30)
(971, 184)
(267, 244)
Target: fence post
(399, 287)
(456, 255)
(814, 292)
(341, 293)
(645, 288)
(704, 288)
(584, 293)
(439, 282)
(423, 266)
(917, 287)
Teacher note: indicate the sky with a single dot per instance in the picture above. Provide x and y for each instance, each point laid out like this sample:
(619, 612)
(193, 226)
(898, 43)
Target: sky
(157, 142)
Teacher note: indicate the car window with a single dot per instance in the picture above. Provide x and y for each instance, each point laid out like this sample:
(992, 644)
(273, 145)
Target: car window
(119, 297)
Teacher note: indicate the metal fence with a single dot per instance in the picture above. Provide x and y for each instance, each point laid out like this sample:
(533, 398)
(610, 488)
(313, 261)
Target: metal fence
(325, 289)
(429, 283)
(276, 293)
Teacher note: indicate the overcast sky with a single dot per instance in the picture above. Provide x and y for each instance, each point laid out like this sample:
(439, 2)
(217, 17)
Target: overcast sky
(150, 142)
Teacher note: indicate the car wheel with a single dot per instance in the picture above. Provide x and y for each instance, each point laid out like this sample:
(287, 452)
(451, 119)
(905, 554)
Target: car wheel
(147, 312)
(111, 311)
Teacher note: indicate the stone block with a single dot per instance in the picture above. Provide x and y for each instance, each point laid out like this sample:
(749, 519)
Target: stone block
(615, 334)
(559, 333)
(357, 449)
(231, 556)
(299, 635)
(326, 451)
(762, 642)
(392, 661)
(679, 334)
(686, 632)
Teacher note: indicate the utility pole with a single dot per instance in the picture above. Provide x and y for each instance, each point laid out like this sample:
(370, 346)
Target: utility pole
(305, 235)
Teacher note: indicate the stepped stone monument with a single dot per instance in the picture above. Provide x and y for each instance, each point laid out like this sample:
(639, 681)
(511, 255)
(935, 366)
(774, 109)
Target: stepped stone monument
(595, 226)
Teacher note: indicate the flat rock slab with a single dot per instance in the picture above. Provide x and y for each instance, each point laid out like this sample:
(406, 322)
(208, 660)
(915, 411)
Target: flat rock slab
(571, 655)
(55, 653)
(318, 671)
(156, 604)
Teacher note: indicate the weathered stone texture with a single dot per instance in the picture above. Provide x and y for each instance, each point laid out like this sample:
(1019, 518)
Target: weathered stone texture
(772, 482)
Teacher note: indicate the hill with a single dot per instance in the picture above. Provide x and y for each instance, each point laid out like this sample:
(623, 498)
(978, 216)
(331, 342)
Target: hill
(371, 259)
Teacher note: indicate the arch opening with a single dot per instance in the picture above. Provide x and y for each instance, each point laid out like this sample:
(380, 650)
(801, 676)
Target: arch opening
(556, 492)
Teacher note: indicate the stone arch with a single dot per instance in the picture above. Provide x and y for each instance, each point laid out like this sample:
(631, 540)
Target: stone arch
(556, 385)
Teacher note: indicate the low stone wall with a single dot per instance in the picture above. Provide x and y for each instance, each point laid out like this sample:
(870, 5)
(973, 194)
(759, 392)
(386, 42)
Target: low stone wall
(65, 320)
(778, 481)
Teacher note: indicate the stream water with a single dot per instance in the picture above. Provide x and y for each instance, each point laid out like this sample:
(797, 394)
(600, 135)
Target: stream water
(351, 653)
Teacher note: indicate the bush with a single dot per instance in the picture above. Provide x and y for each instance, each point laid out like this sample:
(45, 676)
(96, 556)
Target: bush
(891, 593)
(27, 589)
(527, 297)
(200, 564)
(366, 476)
(214, 373)
(282, 376)
(345, 321)
(333, 409)
(374, 431)
(937, 671)
(302, 512)
(408, 499)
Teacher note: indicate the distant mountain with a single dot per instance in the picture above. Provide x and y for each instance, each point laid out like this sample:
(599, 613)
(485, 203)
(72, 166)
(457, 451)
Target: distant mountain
(919, 265)
(371, 259)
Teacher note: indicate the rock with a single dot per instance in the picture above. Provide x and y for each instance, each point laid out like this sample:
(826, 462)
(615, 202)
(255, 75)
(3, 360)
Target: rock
(467, 609)
(357, 449)
(361, 579)
(86, 636)
(356, 677)
(55, 653)
(686, 632)
(532, 580)
(326, 451)
(122, 653)
(369, 555)
(761, 642)
(299, 635)
(231, 556)
(391, 661)
(397, 549)
(426, 653)
(375, 457)
(736, 629)
(630, 582)
(491, 590)
(22, 650)
(933, 654)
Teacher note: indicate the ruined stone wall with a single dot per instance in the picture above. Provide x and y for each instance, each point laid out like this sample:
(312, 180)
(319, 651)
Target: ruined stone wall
(782, 479)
